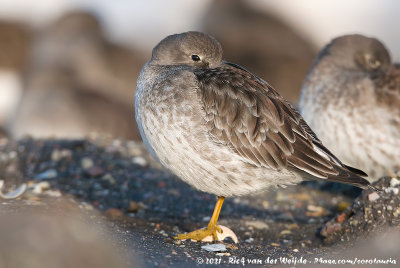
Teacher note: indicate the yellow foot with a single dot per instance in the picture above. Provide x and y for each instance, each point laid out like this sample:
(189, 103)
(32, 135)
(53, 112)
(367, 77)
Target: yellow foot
(200, 234)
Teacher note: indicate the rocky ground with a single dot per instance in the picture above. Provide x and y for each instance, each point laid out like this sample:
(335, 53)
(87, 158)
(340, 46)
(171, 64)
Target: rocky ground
(135, 208)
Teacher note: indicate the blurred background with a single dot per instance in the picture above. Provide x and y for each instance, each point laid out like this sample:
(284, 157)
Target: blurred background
(68, 68)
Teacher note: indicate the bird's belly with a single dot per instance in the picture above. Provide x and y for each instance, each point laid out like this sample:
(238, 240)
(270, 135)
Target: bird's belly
(180, 143)
(360, 139)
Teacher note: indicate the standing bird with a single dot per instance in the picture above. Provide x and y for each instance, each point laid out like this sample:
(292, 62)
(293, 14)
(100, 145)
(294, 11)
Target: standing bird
(224, 130)
(351, 98)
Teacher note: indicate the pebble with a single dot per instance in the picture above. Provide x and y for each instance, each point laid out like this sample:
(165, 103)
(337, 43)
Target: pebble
(139, 161)
(396, 213)
(86, 206)
(285, 232)
(231, 246)
(293, 226)
(206, 218)
(257, 224)
(341, 218)
(48, 174)
(354, 222)
(373, 196)
(39, 188)
(300, 197)
(114, 212)
(12, 154)
(95, 171)
(342, 206)
(86, 163)
(249, 240)
(223, 254)
(315, 211)
(57, 155)
(214, 247)
(394, 182)
(135, 206)
(53, 193)
(330, 228)
(392, 190)
(108, 177)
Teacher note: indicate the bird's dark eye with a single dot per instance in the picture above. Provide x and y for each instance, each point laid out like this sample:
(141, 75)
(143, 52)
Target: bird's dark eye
(195, 58)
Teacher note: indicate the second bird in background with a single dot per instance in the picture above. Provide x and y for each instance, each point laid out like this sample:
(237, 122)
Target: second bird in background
(351, 99)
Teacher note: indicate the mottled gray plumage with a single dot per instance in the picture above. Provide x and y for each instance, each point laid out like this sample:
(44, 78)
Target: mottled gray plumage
(351, 98)
(222, 129)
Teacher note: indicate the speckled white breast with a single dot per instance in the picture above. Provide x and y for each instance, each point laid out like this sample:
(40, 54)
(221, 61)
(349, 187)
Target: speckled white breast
(359, 134)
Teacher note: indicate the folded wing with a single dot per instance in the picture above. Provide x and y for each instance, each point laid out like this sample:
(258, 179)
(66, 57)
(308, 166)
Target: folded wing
(244, 113)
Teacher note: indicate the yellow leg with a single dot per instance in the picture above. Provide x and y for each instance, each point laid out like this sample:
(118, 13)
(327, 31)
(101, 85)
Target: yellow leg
(211, 229)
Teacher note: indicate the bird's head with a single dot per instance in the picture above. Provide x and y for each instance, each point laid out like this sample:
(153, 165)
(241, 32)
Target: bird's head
(189, 48)
(358, 53)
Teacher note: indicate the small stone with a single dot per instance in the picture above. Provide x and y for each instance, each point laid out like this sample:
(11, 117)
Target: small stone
(206, 218)
(293, 226)
(285, 232)
(12, 154)
(396, 213)
(341, 218)
(394, 182)
(86, 206)
(86, 163)
(223, 254)
(48, 174)
(392, 190)
(275, 245)
(231, 246)
(95, 171)
(315, 211)
(139, 161)
(108, 177)
(354, 223)
(53, 193)
(300, 197)
(373, 196)
(330, 228)
(295, 250)
(114, 213)
(40, 187)
(135, 206)
(214, 247)
(342, 206)
(265, 204)
(55, 155)
(249, 240)
(257, 224)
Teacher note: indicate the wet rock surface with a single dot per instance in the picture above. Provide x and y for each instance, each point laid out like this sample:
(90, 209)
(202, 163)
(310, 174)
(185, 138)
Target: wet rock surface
(142, 206)
(371, 212)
